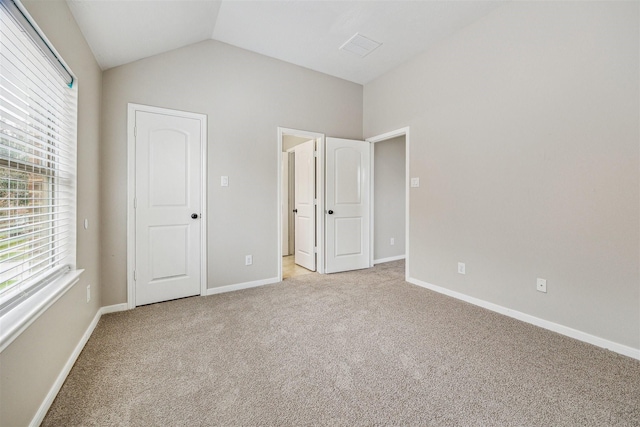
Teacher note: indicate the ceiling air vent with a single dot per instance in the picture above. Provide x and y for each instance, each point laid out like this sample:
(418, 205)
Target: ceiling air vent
(360, 45)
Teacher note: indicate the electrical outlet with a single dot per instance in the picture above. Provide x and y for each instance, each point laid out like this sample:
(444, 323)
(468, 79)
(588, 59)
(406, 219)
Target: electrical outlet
(88, 293)
(415, 182)
(224, 181)
(248, 260)
(393, 241)
(462, 268)
(541, 285)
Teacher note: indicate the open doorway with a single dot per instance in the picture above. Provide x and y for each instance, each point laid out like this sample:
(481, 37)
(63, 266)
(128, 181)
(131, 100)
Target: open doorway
(300, 229)
(342, 197)
(389, 200)
(390, 191)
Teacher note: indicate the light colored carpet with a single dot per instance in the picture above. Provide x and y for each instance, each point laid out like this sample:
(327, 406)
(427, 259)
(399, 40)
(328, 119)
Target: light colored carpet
(358, 348)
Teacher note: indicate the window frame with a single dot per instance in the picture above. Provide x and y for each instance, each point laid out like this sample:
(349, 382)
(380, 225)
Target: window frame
(22, 305)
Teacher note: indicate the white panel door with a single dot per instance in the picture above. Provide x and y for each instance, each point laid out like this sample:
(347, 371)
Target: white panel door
(347, 207)
(305, 224)
(168, 207)
(284, 211)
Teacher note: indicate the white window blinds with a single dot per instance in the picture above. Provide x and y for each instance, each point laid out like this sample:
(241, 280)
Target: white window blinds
(37, 163)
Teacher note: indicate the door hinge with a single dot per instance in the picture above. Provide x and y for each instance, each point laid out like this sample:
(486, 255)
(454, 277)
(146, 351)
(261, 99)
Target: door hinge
(315, 154)
(135, 276)
(315, 202)
(135, 131)
(315, 250)
(135, 203)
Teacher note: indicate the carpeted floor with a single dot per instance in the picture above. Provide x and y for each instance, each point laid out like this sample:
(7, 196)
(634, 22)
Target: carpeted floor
(357, 348)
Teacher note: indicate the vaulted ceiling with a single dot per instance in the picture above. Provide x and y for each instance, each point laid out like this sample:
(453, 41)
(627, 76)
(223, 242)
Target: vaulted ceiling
(303, 32)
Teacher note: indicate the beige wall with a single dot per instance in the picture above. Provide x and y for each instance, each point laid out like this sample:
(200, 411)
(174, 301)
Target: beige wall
(525, 136)
(31, 364)
(389, 198)
(246, 96)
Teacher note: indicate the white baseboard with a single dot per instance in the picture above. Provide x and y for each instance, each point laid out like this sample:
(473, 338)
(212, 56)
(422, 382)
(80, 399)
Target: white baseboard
(389, 259)
(245, 285)
(55, 388)
(561, 329)
(555, 327)
(113, 308)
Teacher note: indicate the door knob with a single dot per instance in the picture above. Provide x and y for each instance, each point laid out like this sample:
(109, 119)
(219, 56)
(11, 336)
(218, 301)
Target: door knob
(194, 215)
(330, 212)
(295, 211)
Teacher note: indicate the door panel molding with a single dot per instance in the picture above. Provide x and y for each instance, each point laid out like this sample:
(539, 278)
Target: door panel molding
(132, 109)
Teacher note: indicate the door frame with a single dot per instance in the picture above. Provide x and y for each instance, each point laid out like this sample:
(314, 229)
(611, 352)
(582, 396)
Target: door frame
(131, 191)
(385, 137)
(320, 137)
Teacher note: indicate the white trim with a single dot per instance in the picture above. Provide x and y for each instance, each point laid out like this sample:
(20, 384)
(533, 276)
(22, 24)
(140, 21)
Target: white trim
(245, 285)
(389, 259)
(372, 202)
(204, 206)
(19, 318)
(407, 197)
(57, 385)
(279, 202)
(55, 388)
(114, 308)
(389, 135)
(131, 191)
(320, 217)
(406, 131)
(319, 146)
(545, 324)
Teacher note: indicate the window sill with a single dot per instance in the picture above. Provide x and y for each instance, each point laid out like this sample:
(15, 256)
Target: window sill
(13, 323)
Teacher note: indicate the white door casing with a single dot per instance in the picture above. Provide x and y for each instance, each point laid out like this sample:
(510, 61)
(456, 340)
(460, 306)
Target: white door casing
(347, 207)
(168, 191)
(305, 224)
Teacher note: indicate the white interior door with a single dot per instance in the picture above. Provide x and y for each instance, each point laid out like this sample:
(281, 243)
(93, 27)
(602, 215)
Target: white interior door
(284, 212)
(304, 205)
(347, 195)
(168, 207)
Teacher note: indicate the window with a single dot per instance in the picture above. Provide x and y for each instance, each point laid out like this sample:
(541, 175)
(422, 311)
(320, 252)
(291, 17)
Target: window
(37, 160)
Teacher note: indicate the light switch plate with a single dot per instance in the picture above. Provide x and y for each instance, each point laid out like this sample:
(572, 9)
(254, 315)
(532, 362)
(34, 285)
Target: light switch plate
(224, 181)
